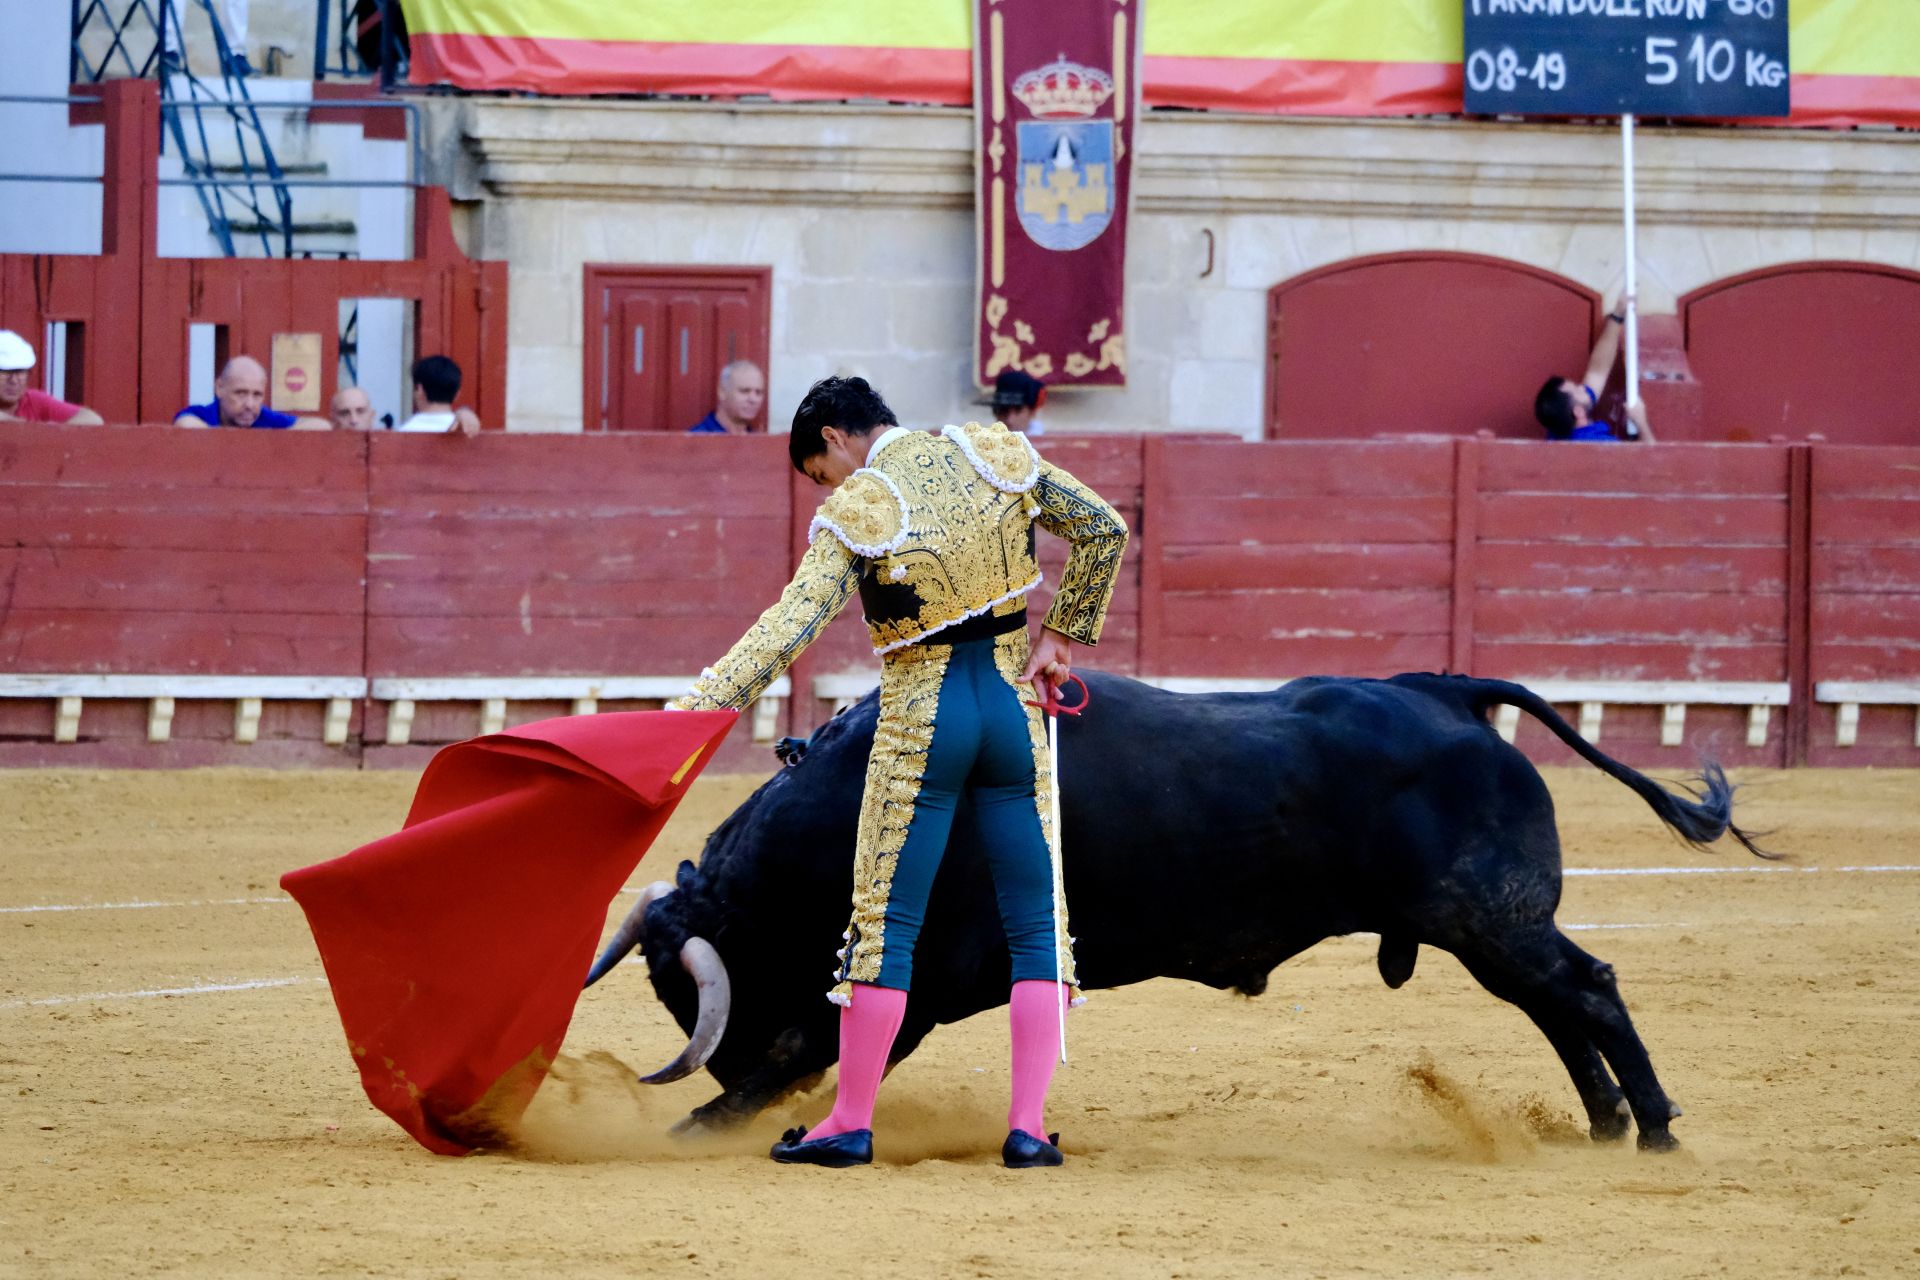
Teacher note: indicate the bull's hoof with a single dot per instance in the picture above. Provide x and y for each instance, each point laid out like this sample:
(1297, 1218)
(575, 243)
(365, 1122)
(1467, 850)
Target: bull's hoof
(1024, 1151)
(1611, 1129)
(1658, 1141)
(841, 1151)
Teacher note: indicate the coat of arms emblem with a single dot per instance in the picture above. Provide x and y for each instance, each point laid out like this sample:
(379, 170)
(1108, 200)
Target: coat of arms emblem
(1065, 157)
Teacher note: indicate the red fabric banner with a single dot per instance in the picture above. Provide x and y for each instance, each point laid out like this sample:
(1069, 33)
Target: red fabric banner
(457, 947)
(1056, 94)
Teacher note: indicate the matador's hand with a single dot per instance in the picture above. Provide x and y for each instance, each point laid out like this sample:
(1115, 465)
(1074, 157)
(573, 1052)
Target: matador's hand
(1048, 667)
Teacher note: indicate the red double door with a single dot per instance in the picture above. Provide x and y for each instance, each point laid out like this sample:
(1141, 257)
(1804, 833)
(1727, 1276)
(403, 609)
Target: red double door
(657, 338)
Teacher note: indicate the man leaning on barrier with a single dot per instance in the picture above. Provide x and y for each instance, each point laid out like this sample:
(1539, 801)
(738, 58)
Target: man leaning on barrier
(22, 403)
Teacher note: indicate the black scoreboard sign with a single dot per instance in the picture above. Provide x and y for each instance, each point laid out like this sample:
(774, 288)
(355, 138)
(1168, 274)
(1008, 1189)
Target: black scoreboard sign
(1721, 58)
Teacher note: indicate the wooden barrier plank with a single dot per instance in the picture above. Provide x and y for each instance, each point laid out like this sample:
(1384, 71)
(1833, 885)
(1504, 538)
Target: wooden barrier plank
(133, 579)
(1280, 613)
(1866, 567)
(1848, 471)
(1597, 659)
(1575, 566)
(1887, 522)
(1680, 616)
(1670, 470)
(1632, 521)
(1387, 565)
(536, 598)
(415, 548)
(1870, 660)
(1309, 655)
(329, 466)
(88, 641)
(1272, 471)
(1881, 616)
(32, 522)
(438, 646)
(563, 467)
(1202, 518)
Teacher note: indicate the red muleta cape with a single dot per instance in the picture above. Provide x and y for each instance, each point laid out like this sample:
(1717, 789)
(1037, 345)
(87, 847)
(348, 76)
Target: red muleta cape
(456, 948)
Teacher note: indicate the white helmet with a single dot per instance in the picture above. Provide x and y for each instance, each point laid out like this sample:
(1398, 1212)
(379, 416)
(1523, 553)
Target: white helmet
(15, 353)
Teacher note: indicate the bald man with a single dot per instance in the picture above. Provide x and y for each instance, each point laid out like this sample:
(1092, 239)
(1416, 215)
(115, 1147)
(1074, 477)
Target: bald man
(741, 393)
(240, 400)
(351, 410)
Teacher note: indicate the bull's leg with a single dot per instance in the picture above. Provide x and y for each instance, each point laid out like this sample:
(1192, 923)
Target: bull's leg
(1606, 1105)
(1595, 997)
(1532, 993)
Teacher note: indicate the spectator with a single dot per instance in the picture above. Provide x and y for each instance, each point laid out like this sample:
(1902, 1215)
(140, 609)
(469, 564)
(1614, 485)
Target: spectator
(1565, 407)
(21, 403)
(743, 389)
(1016, 401)
(351, 410)
(240, 400)
(436, 381)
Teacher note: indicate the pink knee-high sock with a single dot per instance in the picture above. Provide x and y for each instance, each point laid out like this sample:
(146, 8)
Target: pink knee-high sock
(868, 1023)
(1033, 1010)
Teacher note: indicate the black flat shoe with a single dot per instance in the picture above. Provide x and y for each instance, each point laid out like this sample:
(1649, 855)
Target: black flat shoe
(1024, 1151)
(841, 1151)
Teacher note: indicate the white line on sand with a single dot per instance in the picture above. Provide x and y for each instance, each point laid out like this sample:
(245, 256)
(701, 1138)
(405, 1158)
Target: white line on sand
(143, 906)
(201, 989)
(1722, 871)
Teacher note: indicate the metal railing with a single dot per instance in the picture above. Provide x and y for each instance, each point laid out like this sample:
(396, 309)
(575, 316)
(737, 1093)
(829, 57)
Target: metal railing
(346, 32)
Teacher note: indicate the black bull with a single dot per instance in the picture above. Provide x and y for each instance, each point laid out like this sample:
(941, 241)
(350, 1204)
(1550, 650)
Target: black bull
(1207, 837)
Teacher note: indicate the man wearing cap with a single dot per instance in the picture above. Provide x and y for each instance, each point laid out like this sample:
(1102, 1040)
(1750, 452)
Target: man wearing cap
(1016, 401)
(240, 400)
(22, 403)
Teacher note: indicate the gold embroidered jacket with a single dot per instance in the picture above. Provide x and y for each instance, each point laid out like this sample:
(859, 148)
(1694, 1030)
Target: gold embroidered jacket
(934, 530)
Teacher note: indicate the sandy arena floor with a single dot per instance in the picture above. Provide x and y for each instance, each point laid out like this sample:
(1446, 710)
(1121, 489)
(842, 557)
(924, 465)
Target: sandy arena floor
(178, 1096)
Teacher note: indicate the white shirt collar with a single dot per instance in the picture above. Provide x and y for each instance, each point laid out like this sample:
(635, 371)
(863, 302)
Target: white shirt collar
(887, 437)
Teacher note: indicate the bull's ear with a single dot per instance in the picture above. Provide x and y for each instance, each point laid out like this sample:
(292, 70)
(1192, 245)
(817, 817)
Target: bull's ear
(685, 875)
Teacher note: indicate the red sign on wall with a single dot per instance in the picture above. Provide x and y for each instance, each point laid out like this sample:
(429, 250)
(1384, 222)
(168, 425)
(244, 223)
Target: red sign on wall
(1056, 92)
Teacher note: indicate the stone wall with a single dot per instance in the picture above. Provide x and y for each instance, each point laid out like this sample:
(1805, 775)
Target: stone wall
(865, 214)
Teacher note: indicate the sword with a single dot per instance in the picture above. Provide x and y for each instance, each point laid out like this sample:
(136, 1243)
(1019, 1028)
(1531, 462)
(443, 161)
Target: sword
(1055, 709)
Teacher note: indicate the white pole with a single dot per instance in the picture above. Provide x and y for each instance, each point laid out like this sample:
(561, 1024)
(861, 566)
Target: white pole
(1059, 924)
(1632, 337)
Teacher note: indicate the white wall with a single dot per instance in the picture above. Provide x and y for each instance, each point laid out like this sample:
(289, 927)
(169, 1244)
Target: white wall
(865, 214)
(45, 217)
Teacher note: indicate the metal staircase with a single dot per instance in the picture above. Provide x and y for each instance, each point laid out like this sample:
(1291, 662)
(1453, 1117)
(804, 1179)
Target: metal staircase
(245, 194)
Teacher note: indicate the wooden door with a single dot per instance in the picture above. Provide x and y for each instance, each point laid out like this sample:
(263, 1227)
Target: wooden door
(657, 338)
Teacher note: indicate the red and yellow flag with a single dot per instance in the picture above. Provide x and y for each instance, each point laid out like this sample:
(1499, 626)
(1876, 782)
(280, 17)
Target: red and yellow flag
(1853, 61)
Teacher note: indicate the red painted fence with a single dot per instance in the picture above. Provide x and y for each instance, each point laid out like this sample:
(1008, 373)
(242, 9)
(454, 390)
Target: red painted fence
(154, 551)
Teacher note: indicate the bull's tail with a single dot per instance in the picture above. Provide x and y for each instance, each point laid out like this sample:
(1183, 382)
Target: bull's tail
(1699, 819)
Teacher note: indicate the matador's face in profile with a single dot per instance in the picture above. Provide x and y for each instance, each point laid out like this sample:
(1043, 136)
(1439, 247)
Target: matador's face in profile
(844, 455)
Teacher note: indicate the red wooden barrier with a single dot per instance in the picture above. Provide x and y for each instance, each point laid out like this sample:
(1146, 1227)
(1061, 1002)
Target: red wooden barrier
(148, 550)
(1865, 606)
(135, 550)
(601, 555)
(1642, 564)
(1291, 559)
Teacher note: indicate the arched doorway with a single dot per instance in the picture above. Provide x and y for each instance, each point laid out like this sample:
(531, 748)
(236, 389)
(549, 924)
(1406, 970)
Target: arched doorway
(1808, 347)
(1420, 342)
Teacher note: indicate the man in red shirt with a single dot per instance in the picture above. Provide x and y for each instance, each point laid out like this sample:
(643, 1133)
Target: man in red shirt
(21, 403)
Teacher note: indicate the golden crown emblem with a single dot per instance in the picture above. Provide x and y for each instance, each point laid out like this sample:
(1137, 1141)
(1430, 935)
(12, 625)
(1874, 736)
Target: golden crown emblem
(1063, 88)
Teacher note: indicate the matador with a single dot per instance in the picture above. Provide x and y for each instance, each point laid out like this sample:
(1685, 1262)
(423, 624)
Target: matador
(936, 533)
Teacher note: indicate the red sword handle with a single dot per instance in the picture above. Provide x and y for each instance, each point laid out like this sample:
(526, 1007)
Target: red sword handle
(1054, 707)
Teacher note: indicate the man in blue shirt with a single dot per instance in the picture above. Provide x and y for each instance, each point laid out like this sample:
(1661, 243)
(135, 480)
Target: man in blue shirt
(240, 400)
(1565, 407)
(743, 390)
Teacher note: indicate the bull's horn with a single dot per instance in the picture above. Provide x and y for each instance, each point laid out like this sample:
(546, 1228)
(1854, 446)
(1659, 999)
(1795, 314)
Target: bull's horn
(709, 973)
(630, 934)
